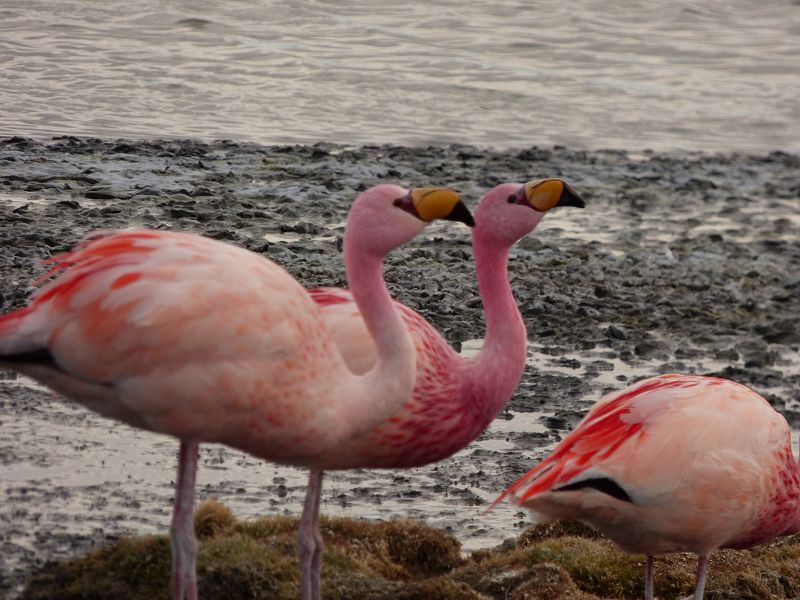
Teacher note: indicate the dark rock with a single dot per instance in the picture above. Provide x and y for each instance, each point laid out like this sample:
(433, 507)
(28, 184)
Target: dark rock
(651, 349)
(615, 332)
(100, 194)
(177, 213)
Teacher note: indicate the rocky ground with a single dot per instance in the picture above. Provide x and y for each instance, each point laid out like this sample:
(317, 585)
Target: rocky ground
(680, 262)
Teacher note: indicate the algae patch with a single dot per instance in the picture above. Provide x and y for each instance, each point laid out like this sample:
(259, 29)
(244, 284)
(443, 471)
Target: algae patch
(258, 559)
(406, 560)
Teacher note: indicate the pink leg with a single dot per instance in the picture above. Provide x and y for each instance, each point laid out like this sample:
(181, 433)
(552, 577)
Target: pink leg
(309, 539)
(184, 544)
(700, 582)
(648, 578)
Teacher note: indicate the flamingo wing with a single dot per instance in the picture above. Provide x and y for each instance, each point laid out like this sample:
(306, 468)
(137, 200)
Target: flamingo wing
(176, 333)
(598, 436)
(347, 327)
(643, 440)
(115, 297)
(350, 334)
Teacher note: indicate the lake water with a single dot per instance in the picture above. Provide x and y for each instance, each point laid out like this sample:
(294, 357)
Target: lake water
(713, 75)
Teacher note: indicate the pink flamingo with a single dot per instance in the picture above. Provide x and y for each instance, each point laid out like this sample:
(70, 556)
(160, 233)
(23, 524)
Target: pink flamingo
(455, 398)
(187, 336)
(672, 463)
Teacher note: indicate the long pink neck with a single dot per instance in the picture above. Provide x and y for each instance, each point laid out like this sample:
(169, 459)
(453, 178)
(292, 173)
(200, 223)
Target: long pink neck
(365, 279)
(381, 392)
(498, 367)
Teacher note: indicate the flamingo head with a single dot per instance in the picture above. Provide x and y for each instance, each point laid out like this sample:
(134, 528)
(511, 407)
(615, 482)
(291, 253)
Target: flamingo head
(387, 216)
(508, 212)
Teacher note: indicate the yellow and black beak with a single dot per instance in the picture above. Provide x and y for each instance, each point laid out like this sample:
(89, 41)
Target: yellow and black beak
(548, 193)
(429, 204)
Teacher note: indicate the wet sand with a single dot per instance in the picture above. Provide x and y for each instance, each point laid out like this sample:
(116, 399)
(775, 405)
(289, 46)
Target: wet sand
(681, 262)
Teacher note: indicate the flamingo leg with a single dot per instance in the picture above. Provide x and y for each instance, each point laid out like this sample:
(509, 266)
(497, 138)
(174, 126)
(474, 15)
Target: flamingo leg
(648, 578)
(309, 539)
(700, 582)
(184, 543)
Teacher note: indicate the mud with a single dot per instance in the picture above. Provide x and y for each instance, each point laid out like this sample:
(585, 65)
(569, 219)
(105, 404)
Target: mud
(681, 262)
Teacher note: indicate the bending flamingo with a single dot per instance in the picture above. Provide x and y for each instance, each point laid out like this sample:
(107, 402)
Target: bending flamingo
(455, 398)
(673, 463)
(187, 336)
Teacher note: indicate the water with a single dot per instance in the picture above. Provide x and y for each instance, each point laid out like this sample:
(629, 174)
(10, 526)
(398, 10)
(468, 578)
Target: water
(715, 75)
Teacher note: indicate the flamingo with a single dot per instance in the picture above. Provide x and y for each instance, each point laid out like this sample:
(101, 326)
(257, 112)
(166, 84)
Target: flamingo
(204, 341)
(455, 398)
(674, 463)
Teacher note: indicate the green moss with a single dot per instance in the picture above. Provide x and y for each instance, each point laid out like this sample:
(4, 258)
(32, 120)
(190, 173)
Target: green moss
(594, 566)
(438, 588)
(267, 528)
(422, 550)
(547, 581)
(557, 529)
(211, 518)
(245, 567)
(406, 560)
(132, 569)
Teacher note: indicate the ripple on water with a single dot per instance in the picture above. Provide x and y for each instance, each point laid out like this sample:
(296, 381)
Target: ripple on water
(507, 74)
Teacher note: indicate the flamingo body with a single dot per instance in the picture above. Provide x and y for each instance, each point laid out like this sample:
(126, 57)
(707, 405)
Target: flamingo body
(444, 413)
(172, 333)
(673, 463)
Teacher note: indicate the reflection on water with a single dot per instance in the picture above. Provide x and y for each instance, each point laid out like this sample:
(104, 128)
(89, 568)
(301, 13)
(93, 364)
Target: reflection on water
(716, 75)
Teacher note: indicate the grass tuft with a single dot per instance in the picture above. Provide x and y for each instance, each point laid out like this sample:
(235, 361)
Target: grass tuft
(212, 517)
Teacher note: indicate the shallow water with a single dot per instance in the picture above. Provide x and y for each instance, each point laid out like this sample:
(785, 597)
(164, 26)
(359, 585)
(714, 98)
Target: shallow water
(717, 75)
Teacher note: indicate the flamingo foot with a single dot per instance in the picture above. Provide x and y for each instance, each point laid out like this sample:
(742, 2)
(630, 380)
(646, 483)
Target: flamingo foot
(182, 538)
(309, 539)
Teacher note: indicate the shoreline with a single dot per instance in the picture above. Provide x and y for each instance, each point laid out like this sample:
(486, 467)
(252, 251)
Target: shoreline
(682, 261)
(643, 151)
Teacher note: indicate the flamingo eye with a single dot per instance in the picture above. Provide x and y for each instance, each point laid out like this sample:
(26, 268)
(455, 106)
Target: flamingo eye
(512, 198)
(398, 202)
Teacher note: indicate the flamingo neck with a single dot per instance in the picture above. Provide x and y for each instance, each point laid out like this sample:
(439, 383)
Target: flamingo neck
(498, 367)
(381, 392)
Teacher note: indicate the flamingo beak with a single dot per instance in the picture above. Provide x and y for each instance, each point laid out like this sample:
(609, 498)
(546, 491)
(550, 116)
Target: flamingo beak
(548, 193)
(569, 197)
(429, 204)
